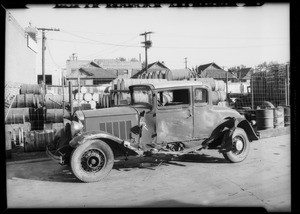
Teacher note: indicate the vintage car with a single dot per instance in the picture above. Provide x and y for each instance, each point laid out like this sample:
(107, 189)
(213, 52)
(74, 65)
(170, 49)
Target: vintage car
(175, 117)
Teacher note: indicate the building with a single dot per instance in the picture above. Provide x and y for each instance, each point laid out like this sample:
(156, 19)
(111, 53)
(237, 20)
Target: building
(244, 74)
(124, 68)
(92, 76)
(20, 52)
(212, 70)
(153, 67)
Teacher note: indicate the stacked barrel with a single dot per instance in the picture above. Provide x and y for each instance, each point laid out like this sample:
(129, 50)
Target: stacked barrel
(91, 97)
(24, 114)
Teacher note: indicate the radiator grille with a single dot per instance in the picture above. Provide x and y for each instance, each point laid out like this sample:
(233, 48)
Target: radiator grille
(119, 129)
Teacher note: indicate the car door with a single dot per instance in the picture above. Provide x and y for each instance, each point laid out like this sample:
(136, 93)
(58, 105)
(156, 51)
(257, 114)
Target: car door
(174, 115)
(205, 118)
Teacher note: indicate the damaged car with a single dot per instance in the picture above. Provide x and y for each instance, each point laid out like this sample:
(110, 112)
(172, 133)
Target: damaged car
(176, 117)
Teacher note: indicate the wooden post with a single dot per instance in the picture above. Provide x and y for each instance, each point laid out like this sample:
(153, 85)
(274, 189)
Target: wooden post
(71, 98)
(252, 97)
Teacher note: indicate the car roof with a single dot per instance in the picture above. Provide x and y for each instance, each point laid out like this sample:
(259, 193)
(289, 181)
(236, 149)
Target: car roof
(171, 84)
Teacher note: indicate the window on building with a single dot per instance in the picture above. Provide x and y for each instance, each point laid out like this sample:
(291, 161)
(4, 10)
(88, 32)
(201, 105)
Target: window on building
(48, 79)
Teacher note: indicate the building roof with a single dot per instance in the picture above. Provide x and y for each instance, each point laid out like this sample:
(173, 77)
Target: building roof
(205, 66)
(155, 66)
(93, 73)
(117, 64)
(217, 74)
(244, 73)
(170, 84)
(212, 70)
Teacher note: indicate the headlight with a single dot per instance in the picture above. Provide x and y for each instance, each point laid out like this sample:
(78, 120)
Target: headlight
(76, 127)
(79, 115)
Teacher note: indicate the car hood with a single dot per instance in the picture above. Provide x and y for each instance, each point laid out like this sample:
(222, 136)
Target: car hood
(114, 111)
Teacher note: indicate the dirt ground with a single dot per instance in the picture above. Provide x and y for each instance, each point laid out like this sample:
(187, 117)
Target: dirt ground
(196, 180)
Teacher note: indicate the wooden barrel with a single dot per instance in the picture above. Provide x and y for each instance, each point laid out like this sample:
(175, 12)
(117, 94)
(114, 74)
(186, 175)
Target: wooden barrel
(56, 115)
(8, 146)
(83, 89)
(287, 116)
(210, 81)
(30, 89)
(93, 104)
(38, 140)
(218, 96)
(95, 97)
(26, 100)
(220, 85)
(264, 119)
(88, 97)
(79, 96)
(278, 117)
(49, 98)
(18, 115)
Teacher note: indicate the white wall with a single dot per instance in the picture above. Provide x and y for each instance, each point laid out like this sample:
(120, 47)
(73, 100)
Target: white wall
(20, 60)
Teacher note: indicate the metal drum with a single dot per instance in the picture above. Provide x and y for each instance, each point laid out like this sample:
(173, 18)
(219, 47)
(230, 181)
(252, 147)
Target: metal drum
(278, 117)
(265, 119)
(18, 115)
(30, 89)
(287, 116)
(38, 140)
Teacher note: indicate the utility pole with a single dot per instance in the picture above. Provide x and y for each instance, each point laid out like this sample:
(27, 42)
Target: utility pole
(148, 44)
(44, 48)
(185, 62)
(73, 56)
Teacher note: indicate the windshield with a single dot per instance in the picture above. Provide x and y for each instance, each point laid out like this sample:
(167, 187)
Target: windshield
(142, 95)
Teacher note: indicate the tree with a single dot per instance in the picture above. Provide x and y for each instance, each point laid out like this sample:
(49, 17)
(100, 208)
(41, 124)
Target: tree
(267, 66)
(234, 69)
(122, 59)
(133, 60)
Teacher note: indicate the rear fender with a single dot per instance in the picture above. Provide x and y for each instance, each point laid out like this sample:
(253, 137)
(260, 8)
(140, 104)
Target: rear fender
(244, 124)
(221, 137)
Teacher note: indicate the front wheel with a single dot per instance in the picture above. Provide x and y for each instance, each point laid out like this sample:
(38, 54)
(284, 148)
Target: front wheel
(92, 161)
(240, 147)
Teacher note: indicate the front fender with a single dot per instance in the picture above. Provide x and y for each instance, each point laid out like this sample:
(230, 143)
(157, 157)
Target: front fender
(84, 137)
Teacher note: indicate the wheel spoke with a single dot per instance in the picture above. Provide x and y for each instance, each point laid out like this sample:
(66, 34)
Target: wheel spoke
(92, 161)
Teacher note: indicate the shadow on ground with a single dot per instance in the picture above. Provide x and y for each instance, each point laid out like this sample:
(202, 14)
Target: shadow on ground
(49, 170)
(150, 162)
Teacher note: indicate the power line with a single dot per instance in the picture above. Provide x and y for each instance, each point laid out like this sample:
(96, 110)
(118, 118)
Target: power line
(50, 54)
(104, 43)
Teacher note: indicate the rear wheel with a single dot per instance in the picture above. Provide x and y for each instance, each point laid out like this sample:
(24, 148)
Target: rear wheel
(240, 147)
(92, 161)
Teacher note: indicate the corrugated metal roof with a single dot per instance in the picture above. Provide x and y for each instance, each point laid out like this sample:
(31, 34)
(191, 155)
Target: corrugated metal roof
(117, 64)
(93, 73)
(216, 74)
(170, 84)
(160, 66)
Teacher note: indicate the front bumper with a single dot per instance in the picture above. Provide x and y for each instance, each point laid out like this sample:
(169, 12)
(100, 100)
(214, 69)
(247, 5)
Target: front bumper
(56, 158)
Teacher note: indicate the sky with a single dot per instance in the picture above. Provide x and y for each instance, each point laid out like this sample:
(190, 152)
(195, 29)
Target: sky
(228, 36)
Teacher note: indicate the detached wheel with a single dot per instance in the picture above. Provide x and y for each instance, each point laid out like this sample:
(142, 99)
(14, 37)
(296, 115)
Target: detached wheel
(240, 147)
(92, 161)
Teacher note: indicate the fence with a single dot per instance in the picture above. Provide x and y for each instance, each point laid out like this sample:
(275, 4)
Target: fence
(268, 88)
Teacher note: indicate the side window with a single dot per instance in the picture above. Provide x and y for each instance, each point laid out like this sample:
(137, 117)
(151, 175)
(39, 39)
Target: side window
(201, 95)
(173, 97)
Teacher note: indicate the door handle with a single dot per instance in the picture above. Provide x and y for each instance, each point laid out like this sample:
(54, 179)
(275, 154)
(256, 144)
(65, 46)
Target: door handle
(189, 113)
